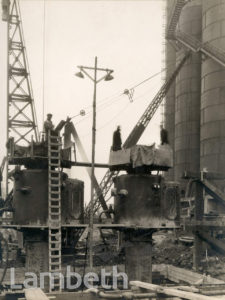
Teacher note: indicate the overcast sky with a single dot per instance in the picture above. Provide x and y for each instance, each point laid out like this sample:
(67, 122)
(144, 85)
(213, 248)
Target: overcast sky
(126, 36)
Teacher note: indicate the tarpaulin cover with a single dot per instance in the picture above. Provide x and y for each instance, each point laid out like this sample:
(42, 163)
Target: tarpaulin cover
(150, 155)
(140, 155)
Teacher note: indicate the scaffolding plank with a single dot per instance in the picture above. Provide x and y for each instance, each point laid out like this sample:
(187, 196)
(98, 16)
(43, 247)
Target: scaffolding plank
(170, 291)
(35, 294)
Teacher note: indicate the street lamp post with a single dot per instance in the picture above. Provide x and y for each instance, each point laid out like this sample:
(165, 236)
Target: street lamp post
(107, 76)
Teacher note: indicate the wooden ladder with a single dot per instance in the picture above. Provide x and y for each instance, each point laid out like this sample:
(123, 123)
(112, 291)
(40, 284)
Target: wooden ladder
(54, 210)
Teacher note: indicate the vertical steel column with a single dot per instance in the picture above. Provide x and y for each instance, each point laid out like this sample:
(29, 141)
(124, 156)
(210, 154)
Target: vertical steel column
(93, 170)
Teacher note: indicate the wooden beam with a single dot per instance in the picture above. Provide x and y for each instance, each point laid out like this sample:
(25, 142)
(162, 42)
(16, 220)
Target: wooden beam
(88, 165)
(214, 243)
(169, 291)
(178, 275)
(35, 294)
(207, 175)
(213, 190)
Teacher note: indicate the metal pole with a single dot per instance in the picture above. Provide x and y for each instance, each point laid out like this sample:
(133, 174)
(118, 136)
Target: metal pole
(7, 122)
(93, 170)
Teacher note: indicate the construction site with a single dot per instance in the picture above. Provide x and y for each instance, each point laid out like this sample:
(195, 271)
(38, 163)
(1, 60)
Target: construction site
(154, 226)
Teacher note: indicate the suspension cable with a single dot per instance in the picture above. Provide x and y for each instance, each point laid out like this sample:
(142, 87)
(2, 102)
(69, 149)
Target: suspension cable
(43, 63)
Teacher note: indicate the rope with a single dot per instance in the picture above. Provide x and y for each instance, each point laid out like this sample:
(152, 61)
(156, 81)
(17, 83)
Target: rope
(115, 117)
(149, 78)
(104, 103)
(43, 65)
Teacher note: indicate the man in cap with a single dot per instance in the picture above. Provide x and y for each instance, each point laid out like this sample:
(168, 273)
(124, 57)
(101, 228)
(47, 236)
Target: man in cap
(48, 125)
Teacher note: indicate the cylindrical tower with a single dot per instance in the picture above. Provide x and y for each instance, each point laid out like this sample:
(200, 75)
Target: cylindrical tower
(170, 64)
(30, 199)
(188, 94)
(213, 90)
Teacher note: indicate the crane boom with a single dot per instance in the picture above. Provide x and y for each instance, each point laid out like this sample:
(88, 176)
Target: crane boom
(21, 115)
(137, 132)
(80, 147)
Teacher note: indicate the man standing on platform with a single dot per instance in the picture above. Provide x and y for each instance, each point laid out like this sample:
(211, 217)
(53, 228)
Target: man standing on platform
(117, 141)
(48, 125)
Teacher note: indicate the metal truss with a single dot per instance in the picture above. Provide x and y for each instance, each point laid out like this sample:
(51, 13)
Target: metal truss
(21, 117)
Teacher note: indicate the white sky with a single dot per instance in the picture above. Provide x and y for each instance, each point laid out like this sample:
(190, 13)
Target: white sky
(126, 36)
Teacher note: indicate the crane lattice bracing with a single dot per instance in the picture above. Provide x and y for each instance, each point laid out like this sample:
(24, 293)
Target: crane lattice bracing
(137, 132)
(174, 18)
(189, 41)
(21, 117)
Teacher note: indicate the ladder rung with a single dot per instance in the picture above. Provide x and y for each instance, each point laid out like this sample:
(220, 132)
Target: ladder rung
(54, 214)
(55, 235)
(56, 182)
(54, 164)
(53, 158)
(53, 225)
(56, 203)
(55, 267)
(54, 192)
(55, 244)
(54, 199)
(55, 185)
(56, 226)
(55, 259)
(54, 256)
(54, 206)
(55, 270)
(57, 287)
(55, 172)
(55, 263)
(54, 144)
(55, 249)
(55, 209)
(57, 284)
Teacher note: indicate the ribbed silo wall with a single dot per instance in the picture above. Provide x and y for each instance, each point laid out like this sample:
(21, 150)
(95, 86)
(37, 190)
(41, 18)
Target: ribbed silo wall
(188, 95)
(170, 64)
(213, 90)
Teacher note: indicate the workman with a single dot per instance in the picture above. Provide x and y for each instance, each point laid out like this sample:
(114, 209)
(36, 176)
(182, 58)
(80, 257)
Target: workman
(163, 136)
(48, 125)
(117, 141)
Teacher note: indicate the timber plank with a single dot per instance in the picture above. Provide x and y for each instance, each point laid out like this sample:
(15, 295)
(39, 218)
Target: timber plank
(170, 291)
(35, 294)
